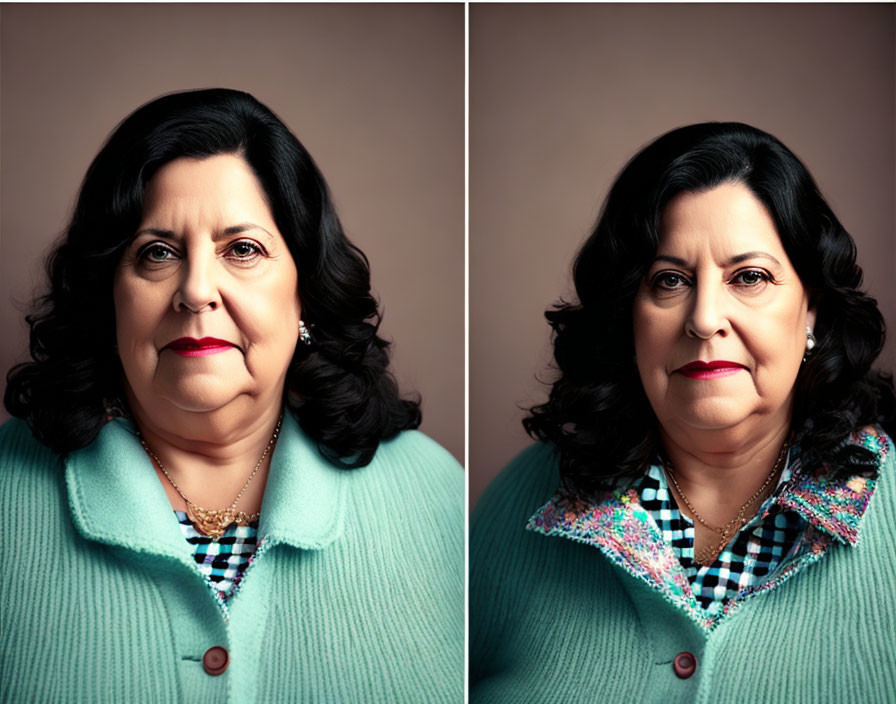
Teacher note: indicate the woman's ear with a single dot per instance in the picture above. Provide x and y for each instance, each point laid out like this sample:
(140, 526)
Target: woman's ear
(812, 311)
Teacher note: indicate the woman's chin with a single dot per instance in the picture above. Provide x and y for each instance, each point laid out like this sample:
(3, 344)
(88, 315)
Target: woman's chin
(201, 395)
(712, 415)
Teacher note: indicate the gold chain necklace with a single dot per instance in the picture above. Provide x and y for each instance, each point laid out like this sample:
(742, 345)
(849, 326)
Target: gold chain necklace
(213, 522)
(708, 555)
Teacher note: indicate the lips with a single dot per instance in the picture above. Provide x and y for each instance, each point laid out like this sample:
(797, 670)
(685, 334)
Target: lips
(191, 347)
(709, 370)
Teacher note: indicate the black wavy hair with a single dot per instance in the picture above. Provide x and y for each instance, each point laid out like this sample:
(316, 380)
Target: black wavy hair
(597, 415)
(339, 388)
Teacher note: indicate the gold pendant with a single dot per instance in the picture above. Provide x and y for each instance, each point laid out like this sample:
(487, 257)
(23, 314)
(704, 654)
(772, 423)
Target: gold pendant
(210, 522)
(215, 522)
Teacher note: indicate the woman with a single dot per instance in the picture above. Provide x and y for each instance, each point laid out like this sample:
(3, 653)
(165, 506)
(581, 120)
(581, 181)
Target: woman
(709, 516)
(212, 490)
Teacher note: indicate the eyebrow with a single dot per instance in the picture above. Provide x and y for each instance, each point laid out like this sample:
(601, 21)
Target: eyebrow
(736, 259)
(226, 232)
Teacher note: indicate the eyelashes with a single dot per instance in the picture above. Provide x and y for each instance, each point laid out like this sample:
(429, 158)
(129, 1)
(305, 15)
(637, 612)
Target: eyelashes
(671, 281)
(753, 277)
(242, 251)
(155, 253)
(668, 281)
(245, 249)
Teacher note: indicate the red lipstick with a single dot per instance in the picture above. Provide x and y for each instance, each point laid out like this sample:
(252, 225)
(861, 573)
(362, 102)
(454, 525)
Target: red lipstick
(191, 347)
(709, 370)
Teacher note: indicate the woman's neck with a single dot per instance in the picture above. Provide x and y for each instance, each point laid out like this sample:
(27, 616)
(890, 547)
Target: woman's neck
(211, 459)
(720, 474)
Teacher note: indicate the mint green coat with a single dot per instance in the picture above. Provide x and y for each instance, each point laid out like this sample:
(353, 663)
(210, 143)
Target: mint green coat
(355, 593)
(583, 602)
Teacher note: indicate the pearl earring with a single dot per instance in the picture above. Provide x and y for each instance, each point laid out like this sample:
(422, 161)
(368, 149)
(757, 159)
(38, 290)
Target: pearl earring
(304, 335)
(810, 342)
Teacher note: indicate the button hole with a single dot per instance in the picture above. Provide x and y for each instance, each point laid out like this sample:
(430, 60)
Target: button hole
(191, 658)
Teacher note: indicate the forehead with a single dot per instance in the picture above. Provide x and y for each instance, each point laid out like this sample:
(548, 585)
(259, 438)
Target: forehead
(220, 187)
(721, 222)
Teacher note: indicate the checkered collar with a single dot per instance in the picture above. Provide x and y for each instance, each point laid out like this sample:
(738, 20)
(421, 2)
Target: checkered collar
(116, 498)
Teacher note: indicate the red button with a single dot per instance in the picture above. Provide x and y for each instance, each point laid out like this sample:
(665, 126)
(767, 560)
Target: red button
(685, 665)
(215, 660)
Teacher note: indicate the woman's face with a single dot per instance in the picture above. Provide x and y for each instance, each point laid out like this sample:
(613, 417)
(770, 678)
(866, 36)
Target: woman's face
(720, 318)
(206, 295)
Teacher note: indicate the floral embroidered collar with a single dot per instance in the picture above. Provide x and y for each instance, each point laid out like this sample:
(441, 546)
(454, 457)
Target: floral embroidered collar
(617, 524)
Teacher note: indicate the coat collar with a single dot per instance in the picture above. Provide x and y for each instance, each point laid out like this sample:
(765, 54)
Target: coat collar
(617, 523)
(116, 498)
(836, 506)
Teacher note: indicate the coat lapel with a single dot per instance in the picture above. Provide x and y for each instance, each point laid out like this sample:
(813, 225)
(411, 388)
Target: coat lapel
(836, 506)
(624, 531)
(304, 500)
(115, 496)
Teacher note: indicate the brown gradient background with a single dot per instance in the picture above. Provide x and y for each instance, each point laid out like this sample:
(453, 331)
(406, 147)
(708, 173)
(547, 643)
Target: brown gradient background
(561, 96)
(375, 92)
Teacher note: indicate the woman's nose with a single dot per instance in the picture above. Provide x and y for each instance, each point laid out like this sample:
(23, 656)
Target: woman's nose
(707, 316)
(197, 291)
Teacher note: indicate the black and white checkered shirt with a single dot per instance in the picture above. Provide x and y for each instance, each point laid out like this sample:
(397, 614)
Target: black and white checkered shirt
(224, 561)
(751, 555)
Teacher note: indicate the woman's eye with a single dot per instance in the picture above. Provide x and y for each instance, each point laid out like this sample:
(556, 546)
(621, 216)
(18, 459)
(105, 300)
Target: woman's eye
(244, 250)
(669, 281)
(156, 253)
(750, 277)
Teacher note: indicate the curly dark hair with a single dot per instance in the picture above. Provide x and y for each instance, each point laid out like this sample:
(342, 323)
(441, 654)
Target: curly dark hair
(339, 388)
(597, 415)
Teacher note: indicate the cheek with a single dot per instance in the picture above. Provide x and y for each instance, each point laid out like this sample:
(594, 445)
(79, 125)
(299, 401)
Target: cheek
(129, 318)
(777, 344)
(649, 351)
(655, 332)
(138, 311)
(641, 327)
(271, 320)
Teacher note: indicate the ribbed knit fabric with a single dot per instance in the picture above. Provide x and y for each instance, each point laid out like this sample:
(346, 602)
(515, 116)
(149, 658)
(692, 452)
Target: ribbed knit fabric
(355, 593)
(552, 619)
